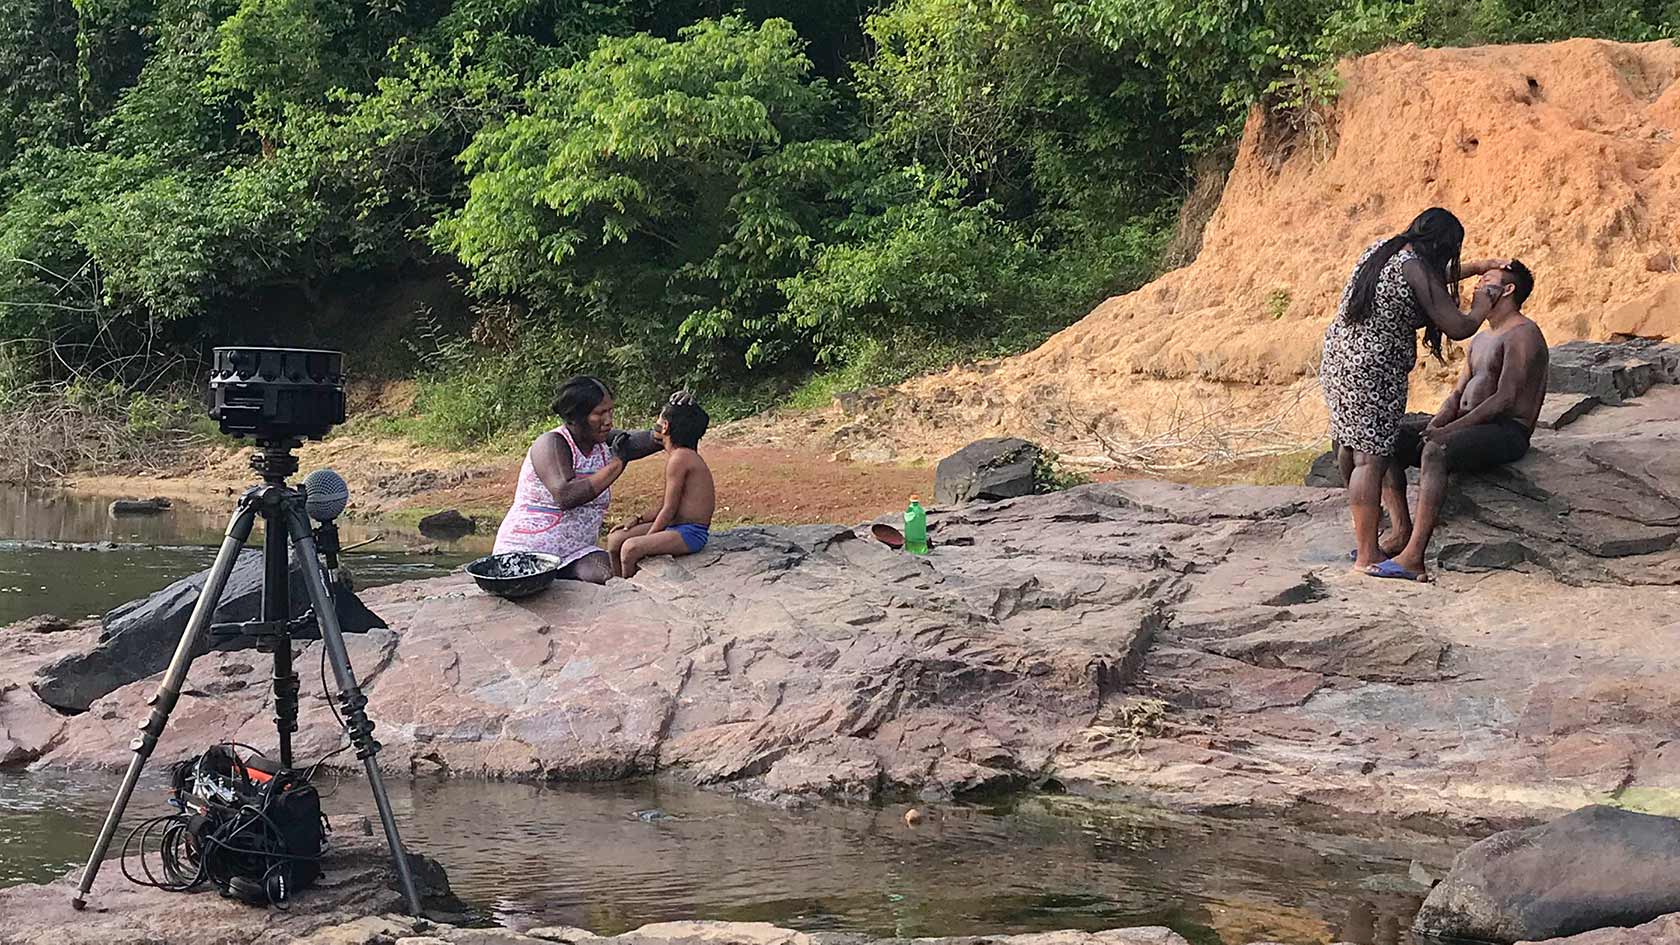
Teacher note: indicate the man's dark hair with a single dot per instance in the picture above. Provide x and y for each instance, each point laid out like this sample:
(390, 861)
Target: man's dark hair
(579, 397)
(1518, 275)
(685, 424)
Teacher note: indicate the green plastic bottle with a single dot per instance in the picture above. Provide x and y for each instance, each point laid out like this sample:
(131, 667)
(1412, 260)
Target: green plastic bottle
(915, 528)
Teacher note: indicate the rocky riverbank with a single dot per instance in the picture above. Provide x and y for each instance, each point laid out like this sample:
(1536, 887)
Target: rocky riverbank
(1206, 648)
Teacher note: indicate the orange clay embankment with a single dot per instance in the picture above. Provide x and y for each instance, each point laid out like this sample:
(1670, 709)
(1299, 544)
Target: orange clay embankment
(1563, 155)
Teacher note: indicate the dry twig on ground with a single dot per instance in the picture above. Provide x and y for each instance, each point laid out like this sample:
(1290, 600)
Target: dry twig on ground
(48, 437)
(1197, 432)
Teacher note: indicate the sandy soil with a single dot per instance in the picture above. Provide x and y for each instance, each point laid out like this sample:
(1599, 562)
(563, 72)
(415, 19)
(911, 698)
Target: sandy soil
(395, 477)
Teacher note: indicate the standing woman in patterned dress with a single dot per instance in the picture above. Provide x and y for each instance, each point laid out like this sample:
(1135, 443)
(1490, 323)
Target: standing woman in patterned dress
(1402, 284)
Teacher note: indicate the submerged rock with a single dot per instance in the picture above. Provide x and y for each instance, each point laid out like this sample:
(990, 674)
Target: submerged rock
(1655, 932)
(448, 524)
(356, 902)
(1596, 867)
(121, 507)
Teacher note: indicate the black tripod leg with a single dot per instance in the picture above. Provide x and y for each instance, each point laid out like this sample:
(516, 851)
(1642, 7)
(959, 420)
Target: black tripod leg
(169, 691)
(349, 692)
(277, 608)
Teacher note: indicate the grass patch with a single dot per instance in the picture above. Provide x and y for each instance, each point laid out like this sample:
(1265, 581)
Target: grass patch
(1287, 469)
(873, 362)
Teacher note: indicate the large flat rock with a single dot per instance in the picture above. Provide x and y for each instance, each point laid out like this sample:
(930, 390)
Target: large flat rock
(1208, 648)
(808, 660)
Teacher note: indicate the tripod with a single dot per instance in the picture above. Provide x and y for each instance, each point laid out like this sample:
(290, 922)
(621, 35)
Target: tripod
(284, 513)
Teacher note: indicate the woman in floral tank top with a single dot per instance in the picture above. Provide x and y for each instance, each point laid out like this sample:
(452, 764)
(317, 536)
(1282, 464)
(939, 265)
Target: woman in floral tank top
(565, 483)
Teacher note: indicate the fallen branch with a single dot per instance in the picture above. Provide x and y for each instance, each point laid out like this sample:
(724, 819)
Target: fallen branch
(1195, 434)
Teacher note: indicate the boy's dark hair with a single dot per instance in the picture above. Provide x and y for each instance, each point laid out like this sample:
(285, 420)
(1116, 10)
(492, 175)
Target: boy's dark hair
(1522, 279)
(685, 424)
(579, 397)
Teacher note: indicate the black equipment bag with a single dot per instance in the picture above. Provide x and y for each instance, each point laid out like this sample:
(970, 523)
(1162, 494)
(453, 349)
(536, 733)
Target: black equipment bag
(255, 830)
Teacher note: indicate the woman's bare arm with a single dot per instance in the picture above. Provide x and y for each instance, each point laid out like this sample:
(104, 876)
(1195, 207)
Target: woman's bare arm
(551, 460)
(1440, 307)
(1481, 267)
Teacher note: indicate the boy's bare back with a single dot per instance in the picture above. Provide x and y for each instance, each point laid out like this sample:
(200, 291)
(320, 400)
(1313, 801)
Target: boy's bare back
(696, 495)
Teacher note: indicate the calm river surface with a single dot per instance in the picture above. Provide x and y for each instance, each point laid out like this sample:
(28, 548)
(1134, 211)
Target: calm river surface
(613, 857)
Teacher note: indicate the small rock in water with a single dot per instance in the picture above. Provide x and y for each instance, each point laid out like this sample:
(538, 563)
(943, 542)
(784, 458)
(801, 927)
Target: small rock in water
(139, 506)
(651, 814)
(449, 523)
(912, 817)
(1420, 875)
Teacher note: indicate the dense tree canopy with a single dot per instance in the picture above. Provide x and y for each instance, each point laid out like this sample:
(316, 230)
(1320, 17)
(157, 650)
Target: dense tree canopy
(699, 191)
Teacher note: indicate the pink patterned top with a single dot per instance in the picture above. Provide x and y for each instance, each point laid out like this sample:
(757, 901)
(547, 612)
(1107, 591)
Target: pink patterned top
(537, 523)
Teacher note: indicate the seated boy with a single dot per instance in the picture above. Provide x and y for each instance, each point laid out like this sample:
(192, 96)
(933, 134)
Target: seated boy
(683, 524)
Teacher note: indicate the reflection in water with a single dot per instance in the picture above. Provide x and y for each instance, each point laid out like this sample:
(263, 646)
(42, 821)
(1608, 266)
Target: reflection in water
(613, 857)
(64, 554)
(52, 516)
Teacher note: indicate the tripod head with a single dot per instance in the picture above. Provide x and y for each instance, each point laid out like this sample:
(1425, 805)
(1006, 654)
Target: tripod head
(278, 397)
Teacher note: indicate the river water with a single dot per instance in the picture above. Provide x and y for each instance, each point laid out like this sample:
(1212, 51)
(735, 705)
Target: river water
(65, 554)
(613, 857)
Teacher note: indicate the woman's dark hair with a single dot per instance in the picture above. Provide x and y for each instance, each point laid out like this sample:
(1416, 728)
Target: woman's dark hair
(579, 397)
(1437, 237)
(685, 424)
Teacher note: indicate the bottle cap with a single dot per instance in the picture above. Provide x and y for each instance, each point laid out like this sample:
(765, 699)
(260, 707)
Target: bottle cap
(915, 498)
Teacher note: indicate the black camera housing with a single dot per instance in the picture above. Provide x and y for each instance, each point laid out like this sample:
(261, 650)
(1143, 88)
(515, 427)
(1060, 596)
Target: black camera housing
(277, 394)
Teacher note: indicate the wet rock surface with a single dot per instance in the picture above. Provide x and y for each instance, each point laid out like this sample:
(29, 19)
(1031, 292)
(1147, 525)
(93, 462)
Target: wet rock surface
(1593, 868)
(359, 879)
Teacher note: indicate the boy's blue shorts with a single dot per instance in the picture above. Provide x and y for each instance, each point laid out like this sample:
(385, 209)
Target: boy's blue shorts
(694, 536)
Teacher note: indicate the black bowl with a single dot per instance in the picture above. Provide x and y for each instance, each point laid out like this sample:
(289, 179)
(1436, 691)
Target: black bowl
(514, 573)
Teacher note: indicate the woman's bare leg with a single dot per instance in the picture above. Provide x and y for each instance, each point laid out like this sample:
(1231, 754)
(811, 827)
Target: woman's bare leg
(1365, 489)
(593, 568)
(1399, 513)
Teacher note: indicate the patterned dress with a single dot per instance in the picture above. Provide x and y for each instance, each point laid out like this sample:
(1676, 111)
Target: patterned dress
(537, 523)
(1365, 364)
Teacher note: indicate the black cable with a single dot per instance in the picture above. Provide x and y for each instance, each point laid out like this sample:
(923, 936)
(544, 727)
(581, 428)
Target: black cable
(174, 877)
(327, 695)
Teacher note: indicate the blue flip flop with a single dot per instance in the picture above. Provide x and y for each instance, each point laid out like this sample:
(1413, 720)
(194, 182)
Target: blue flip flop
(1388, 569)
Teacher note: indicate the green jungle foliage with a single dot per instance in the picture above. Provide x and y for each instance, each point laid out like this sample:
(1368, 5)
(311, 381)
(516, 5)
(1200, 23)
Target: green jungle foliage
(754, 197)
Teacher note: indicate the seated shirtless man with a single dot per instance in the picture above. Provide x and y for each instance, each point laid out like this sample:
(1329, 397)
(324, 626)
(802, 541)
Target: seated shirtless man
(1485, 422)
